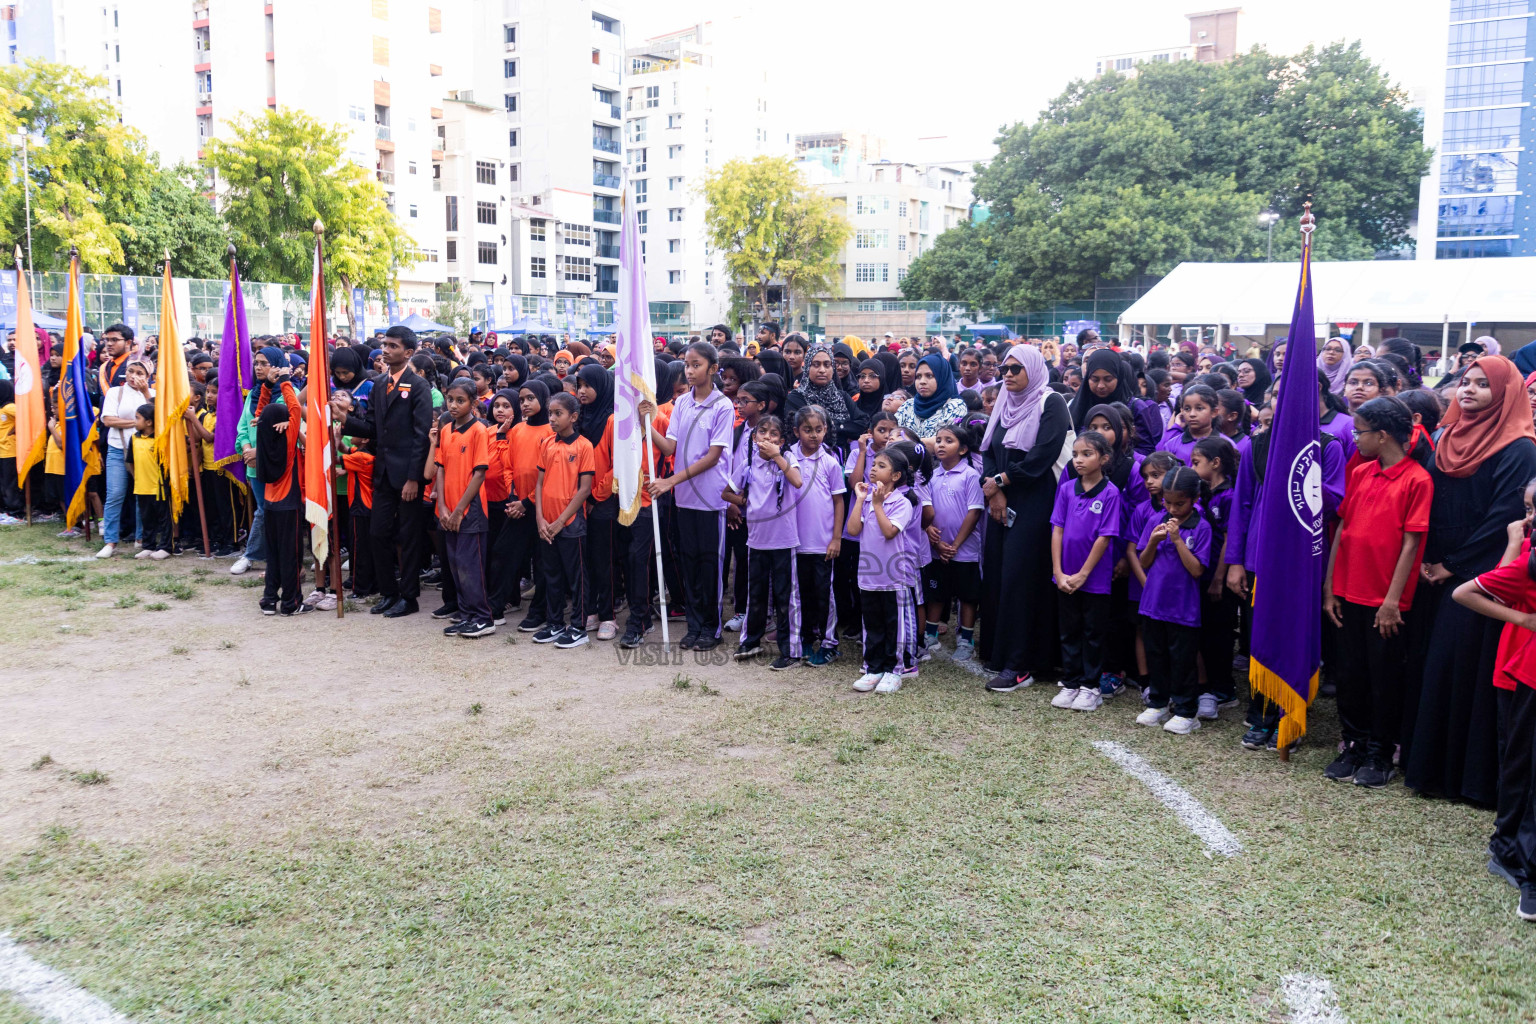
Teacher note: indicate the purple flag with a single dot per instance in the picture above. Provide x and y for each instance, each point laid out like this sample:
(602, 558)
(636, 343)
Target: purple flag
(235, 374)
(1286, 647)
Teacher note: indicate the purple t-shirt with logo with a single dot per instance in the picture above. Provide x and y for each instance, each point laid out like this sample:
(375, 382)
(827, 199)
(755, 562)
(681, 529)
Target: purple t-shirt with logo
(1136, 523)
(821, 480)
(698, 427)
(956, 493)
(886, 564)
(1084, 517)
(770, 510)
(1171, 593)
(852, 460)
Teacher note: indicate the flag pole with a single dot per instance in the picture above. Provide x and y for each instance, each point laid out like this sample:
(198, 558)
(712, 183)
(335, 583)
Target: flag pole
(334, 526)
(81, 401)
(332, 529)
(194, 465)
(661, 580)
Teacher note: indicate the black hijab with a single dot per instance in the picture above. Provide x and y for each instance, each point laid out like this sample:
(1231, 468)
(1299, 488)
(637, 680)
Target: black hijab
(892, 363)
(595, 417)
(1261, 381)
(511, 395)
(519, 364)
(345, 359)
(539, 391)
(271, 445)
(777, 392)
(869, 403)
(772, 361)
(1109, 361)
(846, 384)
(1120, 465)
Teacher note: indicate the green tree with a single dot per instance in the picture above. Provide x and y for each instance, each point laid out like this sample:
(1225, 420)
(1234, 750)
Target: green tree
(1122, 177)
(89, 175)
(280, 172)
(174, 214)
(770, 225)
(454, 309)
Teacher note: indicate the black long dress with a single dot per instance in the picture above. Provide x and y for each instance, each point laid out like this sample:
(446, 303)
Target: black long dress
(1450, 719)
(1018, 601)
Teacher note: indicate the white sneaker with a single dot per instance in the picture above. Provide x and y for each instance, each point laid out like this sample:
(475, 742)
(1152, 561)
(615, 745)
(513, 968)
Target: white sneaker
(1181, 726)
(1065, 697)
(965, 650)
(607, 630)
(1153, 716)
(1088, 699)
(327, 603)
(143, 553)
(889, 683)
(591, 623)
(160, 555)
(925, 653)
(138, 545)
(733, 624)
(241, 565)
(315, 597)
(1208, 707)
(867, 682)
(107, 551)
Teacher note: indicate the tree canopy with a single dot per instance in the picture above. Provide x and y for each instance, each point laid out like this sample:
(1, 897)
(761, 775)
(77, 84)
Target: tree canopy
(770, 226)
(279, 172)
(1120, 177)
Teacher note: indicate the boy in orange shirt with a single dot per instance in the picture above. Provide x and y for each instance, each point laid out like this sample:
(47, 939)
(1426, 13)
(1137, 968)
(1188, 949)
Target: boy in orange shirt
(566, 469)
(463, 455)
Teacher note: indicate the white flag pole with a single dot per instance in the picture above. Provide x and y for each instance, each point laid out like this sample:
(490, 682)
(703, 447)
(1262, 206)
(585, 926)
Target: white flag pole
(661, 580)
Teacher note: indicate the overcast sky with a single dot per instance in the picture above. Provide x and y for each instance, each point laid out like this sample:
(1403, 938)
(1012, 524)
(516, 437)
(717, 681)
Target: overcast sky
(951, 72)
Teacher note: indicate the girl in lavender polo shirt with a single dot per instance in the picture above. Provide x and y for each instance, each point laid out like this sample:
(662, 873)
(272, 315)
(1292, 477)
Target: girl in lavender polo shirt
(921, 547)
(955, 574)
(861, 459)
(764, 483)
(698, 440)
(1085, 527)
(880, 513)
(819, 508)
(1174, 553)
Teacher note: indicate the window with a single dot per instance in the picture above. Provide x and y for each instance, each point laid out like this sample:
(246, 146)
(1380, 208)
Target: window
(641, 187)
(512, 138)
(866, 238)
(509, 69)
(410, 167)
(485, 213)
(641, 216)
(707, 280)
(674, 152)
(450, 213)
(872, 273)
(1484, 86)
(1487, 40)
(451, 248)
(509, 34)
(674, 245)
(576, 268)
(1471, 215)
(652, 96)
(485, 172)
(536, 266)
(1482, 129)
(413, 211)
(674, 184)
(901, 274)
(577, 234)
(674, 277)
(1472, 173)
(637, 129)
(674, 120)
(486, 253)
(1465, 10)
(675, 214)
(510, 100)
(901, 242)
(512, 172)
(637, 159)
(872, 204)
(536, 231)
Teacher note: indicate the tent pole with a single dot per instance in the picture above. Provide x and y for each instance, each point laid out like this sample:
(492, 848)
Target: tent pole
(1365, 335)
(1445, 346)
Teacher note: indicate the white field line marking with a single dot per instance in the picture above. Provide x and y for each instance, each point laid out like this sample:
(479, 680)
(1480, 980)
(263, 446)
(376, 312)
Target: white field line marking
(1311, 1000)
(45, 991)
(1176, 798)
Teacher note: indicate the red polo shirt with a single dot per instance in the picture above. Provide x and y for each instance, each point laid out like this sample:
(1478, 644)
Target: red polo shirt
(1380, 505)
(1511, 585)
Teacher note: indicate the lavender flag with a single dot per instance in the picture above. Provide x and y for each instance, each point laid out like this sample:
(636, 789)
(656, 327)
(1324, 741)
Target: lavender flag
(634, 368)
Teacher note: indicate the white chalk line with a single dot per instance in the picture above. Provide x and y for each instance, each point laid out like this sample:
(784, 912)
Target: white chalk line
(1311, 999)
(47, 992)
(1216, 836)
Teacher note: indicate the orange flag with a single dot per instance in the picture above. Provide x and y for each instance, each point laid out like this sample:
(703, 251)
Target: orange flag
(31, 415)
(319, 494)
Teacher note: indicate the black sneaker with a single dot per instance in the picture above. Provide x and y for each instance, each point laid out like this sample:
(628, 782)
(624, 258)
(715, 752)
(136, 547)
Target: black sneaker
(446, 611)
(748, 650)
(1498, 869)
(575, 636)
(547, 634)
(384, 604)
(1007, 682)
(432, 578)
(476, 627)
(688, 641)
(783, 662)
(1257, 738)
(268, 606)
(454, 629)
(1273, 744)
(706, 643)
(634, 636)
(1374, 776)
(1345, 766)
(531, 624)
(1527, 907)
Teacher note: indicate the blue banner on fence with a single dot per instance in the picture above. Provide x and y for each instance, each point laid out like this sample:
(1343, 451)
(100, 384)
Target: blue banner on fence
(130, 290)
(7, 297)
(570, 313)
(389, 304)
(359, 307)
(490, 312)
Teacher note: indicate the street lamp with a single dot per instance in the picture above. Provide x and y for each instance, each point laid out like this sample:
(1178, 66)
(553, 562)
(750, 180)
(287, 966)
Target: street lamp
(1268, 218)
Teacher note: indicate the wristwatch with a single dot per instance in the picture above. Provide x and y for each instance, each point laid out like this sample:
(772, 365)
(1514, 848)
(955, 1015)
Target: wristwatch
(998, 479)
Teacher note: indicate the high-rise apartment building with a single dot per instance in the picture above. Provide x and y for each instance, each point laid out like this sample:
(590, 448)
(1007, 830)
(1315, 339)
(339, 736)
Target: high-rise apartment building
(1212, 37)
(1475, 199)
(687, 112)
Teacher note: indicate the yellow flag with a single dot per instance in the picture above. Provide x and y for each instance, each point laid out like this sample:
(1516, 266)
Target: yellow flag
(173, 393)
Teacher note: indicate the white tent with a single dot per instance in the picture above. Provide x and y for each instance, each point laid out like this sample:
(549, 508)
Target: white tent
(1379, 292)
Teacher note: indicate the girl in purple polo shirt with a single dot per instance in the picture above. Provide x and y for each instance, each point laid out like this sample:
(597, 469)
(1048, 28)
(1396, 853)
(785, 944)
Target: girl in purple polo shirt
(1152, 471)
(1215, 460)
(764, 483)
(1174, 553)
(1199, 404)
(861, 459)
(698, 440)
(819, 508)
(954, 574)
(920, 545)
(1086, 523)
(880, 513)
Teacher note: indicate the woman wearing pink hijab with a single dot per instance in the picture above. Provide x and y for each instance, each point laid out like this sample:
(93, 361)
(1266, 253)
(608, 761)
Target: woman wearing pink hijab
(1024, 437)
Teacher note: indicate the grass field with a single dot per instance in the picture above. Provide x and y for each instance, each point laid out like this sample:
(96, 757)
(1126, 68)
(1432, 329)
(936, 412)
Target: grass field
(358, 821)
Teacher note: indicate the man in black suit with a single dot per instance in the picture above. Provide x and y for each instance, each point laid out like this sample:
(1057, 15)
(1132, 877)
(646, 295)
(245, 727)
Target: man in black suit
(398, 418)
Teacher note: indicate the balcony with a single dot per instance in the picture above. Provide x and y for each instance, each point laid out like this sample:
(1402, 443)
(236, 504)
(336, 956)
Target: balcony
(605, 216)
(606, 111)
(606, 286)
(381, 131)
(202, 59)
(607, 252)
(606, 145)
(385, 177)
(437, 184)
(605, 180)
